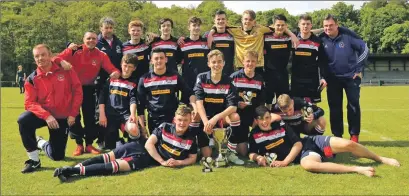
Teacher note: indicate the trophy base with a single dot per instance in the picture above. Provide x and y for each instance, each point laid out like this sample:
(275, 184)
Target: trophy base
(206, 170)
(248, 103)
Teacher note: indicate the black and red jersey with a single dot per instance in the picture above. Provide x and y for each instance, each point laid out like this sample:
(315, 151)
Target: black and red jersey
(225, 43)
(216, 97)
(279, 140)
(277, 51)
(171, 145)
(172, 51)
(249, 89)
(158, 93)
(194, 54)
(309, 64)
(117, 96)
(142, 51)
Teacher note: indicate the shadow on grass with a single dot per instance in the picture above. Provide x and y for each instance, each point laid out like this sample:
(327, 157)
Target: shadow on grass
(76, 160)
(348, 158)
(46, 168)
(386, 143)
(78, 177)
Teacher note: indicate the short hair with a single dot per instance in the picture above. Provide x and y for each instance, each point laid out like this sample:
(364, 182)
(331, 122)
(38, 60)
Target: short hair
(283, 101)
(215, 53)
(158, 50)
(305, 17)
(250, 53)
(194, 20)
(135, 23)
(330, 16)
(130, 59)
(280, 17)
(20, 66)
(43, 46)
(90, 31)
(183, 110)
(106, 20)
(260, 111)
(219, 12)
(163, 20)
(251, 13)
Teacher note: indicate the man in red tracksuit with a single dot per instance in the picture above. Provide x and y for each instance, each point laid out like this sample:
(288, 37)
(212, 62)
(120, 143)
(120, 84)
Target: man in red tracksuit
(87, 61)
(52, 98)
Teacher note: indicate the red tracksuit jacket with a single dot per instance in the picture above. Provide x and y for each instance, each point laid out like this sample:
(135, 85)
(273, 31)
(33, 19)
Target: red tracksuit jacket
(87, 63)
(57, 93)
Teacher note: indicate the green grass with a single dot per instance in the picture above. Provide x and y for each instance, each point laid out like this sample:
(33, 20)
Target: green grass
(385, 125)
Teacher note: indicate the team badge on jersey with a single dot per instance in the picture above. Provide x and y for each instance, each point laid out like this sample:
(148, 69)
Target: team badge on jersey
(94, 62)
(60, 77)
(118, 49)
(341, 44)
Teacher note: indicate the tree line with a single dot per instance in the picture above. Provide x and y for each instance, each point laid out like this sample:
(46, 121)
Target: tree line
(384, 25)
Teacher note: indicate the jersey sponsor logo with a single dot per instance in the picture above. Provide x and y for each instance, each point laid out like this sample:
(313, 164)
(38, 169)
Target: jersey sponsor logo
(161, 92)
(122, 84)
(262, 137)
(278, 46)
(160, 81)
(176, 141)
(60, 77)
(141, 57)
(135, 49)
(302, 53)
(246, 83)
(169, 54)
(213, 100)
(216, 89)
(222, 45)
(275, 144)
(94, 62)
(195, 55)
(119, 92)
(170, 150)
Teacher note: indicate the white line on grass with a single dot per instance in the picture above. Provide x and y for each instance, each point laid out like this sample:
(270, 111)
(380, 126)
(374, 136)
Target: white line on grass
(370, 133)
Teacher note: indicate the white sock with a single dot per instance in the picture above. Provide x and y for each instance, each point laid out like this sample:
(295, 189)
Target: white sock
(33, 155)
(41, 143)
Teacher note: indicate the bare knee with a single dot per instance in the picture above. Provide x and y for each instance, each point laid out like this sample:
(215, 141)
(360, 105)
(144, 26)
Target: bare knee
(322, 122)
(308, 165)
(234, 117)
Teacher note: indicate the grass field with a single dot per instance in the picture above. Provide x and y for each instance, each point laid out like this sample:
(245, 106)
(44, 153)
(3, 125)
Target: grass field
(385, 130)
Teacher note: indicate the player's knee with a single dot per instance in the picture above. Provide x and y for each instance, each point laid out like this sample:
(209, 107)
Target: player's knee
(350, 145)
(234, 117)
(23, 118)
(57, 156)
(322, 122)
(308, 165)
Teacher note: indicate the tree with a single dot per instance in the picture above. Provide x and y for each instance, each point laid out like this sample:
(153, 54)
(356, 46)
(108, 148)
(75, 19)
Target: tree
(395, 38)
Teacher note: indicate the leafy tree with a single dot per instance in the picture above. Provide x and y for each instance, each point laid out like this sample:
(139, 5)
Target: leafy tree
(395, 38)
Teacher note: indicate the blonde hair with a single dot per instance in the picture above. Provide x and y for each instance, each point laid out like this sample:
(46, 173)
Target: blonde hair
(214, 53)
(250, 53)
(135, 23)
(43, 46)
(283, 101)
(183, 110)
(251, 13)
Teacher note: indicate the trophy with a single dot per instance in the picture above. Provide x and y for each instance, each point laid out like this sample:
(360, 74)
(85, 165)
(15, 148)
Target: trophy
(221, 136)
(247, 97)
(207, 164)
(270, 157)
(306, 111)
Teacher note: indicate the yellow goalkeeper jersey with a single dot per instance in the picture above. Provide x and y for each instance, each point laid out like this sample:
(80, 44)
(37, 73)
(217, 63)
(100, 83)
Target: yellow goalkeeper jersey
(253, 41)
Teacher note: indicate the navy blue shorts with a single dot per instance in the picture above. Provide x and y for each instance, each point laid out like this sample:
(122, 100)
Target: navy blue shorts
(135, 154)
(317, 145)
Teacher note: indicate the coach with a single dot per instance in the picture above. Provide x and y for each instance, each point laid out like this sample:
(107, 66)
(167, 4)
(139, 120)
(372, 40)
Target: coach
(346, 59)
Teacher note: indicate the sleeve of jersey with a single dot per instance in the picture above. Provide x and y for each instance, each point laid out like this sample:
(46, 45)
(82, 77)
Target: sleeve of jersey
(360, 46)
(347, 31)
(198, 90)
(184, 88)
(252, 144)
(141, 97)
(179, 55)
(77, 95)
(104, 93)
(31, 104)
(64, 55)
(133, 98)
(322, 60)
(263, 29)
(107, 65)
(158, 132)
(232, 97)
(262, 96)
(193, 148)
(291, 135)
(234, 31)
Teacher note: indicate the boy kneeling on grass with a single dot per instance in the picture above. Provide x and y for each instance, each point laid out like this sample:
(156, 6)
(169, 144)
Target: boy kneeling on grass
(170, 145)
(275, 137)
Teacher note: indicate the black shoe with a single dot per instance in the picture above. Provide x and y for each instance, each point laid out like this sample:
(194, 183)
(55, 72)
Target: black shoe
(30, 166)
(61, 173)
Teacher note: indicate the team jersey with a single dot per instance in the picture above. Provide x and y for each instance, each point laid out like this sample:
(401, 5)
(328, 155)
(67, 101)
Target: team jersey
(170, 145)
(172, 51)
(225, 43)
(142, 51)
(194, 59)
(20, 75)
(254, 40)
(118, 95)
(296, 121)
(309, 63)
(279, 140)
(157, 93)
(277, 51)
(216, 97)
(249, 89)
